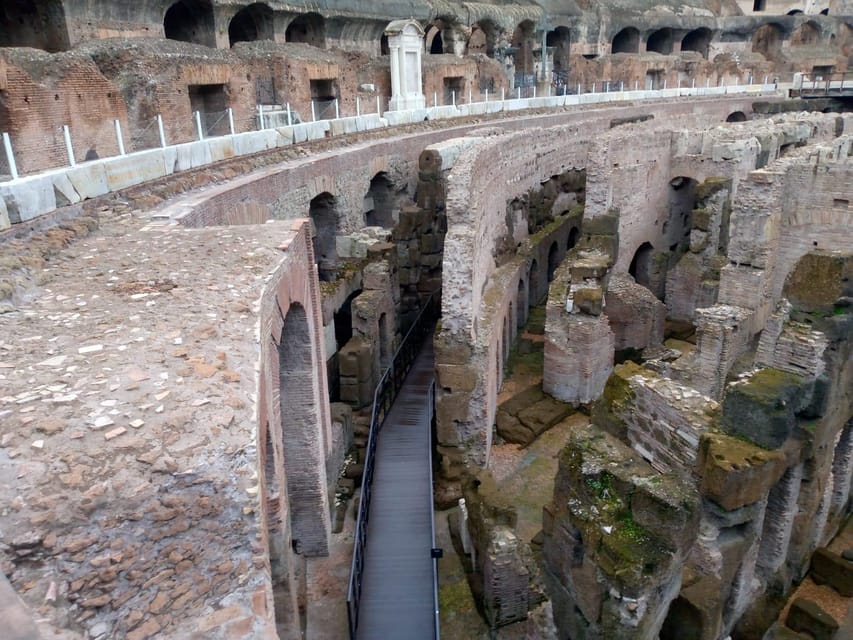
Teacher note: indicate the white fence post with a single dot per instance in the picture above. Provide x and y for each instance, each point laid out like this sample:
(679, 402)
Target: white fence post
(261, 118)
(289, 118)
(487, 95)
(121, 151)
(68, 146)
(453, 97)
(378, 106)
(231, 119)
(435, 98)
(518, 92)
(502, 94)
(534, 90)
(198, 125)
(469, 95)
(337, 110)
(162, 131)
(13, 167)
(313, 112)
(358, 105)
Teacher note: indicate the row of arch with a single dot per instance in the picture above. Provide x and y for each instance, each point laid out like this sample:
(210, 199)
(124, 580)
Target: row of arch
(664, 41)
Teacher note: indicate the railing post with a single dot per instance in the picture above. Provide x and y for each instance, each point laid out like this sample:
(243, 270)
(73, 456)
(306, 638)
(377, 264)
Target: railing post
(198, 125)
(453, 98)
(378, 106)
(518, 92)
(231, 120)
(435, 98)
(118, 138)
(13, 166)
(289, 117)
(469, 95)
(358, 105)
(313, 112)
(337, 110)
(261, 126)
(161, 130)
(68, 146)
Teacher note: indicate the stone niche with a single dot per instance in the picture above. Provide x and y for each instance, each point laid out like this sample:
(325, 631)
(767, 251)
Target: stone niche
(405, 41)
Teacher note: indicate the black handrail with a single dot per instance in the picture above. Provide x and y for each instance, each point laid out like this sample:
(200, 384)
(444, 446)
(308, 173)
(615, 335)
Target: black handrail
(432, 518)
(383, 398)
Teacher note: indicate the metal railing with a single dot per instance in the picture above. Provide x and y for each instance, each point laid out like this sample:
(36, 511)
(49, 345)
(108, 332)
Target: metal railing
(435, 556)
(830, 84)
(383, 399)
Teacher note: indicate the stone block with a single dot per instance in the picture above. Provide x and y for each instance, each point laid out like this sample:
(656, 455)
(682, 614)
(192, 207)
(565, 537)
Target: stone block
(28, 198)
(221, 148)
(127, 171)
(762, 408)
(736, 473)
(4, 216)
(452, 377)
(342, 126)
(356, 360)
(589, 300)
(780, 632)
(510, 429)
(65, 192)
(89, 179)
(440, 113)
(544, 414)
(191, 155)
(806, 615)
(834, 570)
(369, 121)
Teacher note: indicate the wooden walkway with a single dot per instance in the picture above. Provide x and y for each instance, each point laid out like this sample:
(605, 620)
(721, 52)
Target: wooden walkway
(397, 592)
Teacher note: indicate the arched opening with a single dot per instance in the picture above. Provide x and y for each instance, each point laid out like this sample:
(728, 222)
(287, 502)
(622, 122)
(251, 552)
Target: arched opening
(323, 212)
(698, 40)
(660, 41)
(626, 41)
(39, 24)
(384, 343)
(379, 202)
(190, 21)
(342, 320)
(483, 38)
(768, 40)
(559, 41)
(521, 305)
(641, 264)
(522, 43)
(806, 34)
(432, 40)
(683, 622)
(309, 28)
(682, 201)
(794, 12)
(824, 12)
(553, 260)
(572, 240)
(304, 464)
(736, 116)
(250, 24)
(533, 285)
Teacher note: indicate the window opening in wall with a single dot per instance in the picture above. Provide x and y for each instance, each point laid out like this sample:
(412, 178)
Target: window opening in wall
(323, 213)
(759, 5)
(250, 24)
(558, 42)
(641, 264)
(660, 41)
(39, 24)
(553, 260)
(840, 203)
(483, 37)
(379, 202)
(307, 29)
(433, 41)
(324, 92)
(454, 86)
(190, 21)
(654, 79)
(384, 49)
(522, 44)
(698, 40)
(572, 240)
(211, 101)
(736, 116)
(521, 298)
(626, 41)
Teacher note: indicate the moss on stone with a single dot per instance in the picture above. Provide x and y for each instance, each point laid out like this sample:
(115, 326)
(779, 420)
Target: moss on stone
(709, 187)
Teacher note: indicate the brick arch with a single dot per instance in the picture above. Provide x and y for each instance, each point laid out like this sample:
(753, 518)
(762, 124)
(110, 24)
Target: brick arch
(190, 21)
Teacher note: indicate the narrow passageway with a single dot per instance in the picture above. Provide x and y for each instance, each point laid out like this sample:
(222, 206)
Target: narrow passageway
(397, 595)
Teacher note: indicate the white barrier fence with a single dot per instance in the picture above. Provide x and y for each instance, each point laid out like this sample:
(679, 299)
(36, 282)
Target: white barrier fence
(24, 198)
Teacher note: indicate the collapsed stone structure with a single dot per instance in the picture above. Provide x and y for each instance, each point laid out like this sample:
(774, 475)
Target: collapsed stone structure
(202, 427)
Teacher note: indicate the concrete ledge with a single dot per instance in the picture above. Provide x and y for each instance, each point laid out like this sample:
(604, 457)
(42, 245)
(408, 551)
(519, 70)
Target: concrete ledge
(127, 171)
(5, 223)
(63, 189)
(310, 131)
(220, 148)
(89, 180)
(441, 113)
(370, 121)
(281, 137)
(28, 198)
(342, 126)
(405, 117)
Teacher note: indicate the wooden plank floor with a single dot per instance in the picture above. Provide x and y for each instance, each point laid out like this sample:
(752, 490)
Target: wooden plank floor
(397, 595)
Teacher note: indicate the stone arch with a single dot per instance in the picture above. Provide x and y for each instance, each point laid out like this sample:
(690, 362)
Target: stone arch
(323, 212)
(794, 12)
(39, 24)
(807, 34)
(522, 42)
(433, 42)
(736, 116)
(521, 304)
(698, 40)
(661, 41)
(683, 621)
(553, 260)
(641, 264)
(304, 462)
(308, 28)
(572, 240)
(560, 40)
(484, 36)
(626, 41)
(190, 21)
(250, 24)
(533, 286)
(767, 40)
(379, 202)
